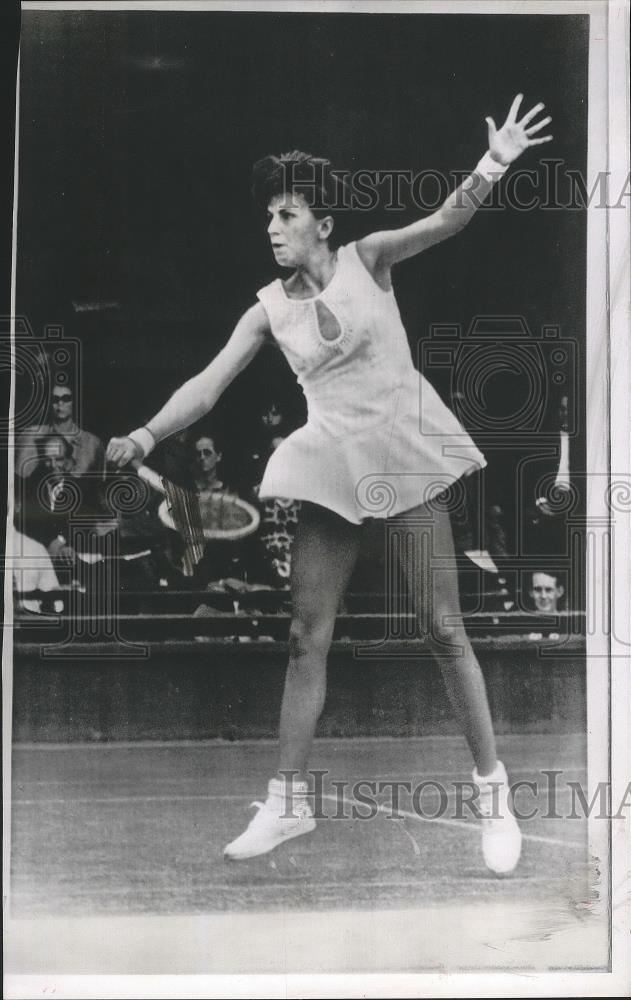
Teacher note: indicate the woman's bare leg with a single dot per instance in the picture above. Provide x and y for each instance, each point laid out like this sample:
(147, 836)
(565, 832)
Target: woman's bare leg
(430, 569)
(324, 552)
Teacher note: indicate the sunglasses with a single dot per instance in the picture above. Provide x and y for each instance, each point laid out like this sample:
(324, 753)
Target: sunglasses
(66, 398)
(204, 452)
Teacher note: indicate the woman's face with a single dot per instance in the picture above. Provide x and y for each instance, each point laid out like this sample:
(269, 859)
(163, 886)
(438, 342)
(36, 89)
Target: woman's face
(294, 231)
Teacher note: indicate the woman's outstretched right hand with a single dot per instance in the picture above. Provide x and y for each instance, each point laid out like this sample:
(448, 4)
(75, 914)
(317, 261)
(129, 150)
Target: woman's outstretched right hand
(122, 450)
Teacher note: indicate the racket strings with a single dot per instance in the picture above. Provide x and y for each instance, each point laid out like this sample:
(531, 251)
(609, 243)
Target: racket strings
(185, 511)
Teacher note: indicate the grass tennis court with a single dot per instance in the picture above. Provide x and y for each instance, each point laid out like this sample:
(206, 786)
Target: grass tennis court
(134, 833)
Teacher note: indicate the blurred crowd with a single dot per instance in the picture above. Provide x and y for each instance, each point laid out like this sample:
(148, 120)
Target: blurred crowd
(74, 516)
(74, 513)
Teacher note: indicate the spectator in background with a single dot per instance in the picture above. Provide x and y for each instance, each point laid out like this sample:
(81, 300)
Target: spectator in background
(86, 450)
(279, 516)
(225, 559)
(206, 460)
(271, 429)
(142, 542)
(31, 565)
(273, 421)
(228, 565)
(52, 495)
(546, 592)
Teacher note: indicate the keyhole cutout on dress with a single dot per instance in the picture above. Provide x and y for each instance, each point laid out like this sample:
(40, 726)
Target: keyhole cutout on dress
(328, 323)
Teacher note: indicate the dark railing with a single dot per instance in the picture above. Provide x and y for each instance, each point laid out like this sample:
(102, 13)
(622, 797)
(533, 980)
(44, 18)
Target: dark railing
(177, 616)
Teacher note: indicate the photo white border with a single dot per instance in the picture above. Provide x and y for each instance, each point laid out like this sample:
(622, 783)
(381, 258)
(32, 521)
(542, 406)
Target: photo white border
(608, 424)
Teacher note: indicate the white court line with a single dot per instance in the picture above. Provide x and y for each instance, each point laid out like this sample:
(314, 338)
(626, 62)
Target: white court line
(456, 824)
(218, 744)
(406, 814)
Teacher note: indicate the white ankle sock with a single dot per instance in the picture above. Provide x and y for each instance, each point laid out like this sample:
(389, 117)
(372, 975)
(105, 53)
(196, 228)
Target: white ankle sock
(497, 774)
(279, 788)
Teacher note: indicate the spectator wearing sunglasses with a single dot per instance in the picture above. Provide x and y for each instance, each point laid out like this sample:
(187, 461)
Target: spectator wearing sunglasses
(87, 450)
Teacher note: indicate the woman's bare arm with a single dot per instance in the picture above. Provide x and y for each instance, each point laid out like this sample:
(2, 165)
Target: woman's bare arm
(381, 250)
(199, 394)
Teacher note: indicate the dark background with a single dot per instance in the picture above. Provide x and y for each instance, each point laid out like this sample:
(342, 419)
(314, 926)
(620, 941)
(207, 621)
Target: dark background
(137, 135)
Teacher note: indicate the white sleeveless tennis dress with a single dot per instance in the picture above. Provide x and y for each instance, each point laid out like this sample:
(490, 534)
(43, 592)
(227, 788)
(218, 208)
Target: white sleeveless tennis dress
(378, 439)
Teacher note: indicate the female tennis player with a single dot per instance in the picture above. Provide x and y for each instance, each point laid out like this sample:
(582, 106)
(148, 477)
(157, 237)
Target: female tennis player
(375, 427)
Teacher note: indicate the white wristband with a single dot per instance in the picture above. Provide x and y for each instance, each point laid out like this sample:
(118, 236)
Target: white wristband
(490, 169)
(144, 439)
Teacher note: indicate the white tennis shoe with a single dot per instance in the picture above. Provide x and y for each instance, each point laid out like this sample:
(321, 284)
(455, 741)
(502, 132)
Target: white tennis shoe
(501, 836)
(273, 824)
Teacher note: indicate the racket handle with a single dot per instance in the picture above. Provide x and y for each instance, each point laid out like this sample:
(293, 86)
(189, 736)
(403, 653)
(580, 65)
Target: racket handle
(150, 476)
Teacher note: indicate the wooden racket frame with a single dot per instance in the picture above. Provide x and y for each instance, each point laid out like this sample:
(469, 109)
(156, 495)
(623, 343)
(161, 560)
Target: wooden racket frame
(154, 480)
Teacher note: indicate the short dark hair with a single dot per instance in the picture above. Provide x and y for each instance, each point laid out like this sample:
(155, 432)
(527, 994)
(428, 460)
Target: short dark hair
(554, 574)
(211, 435)
(313, 177)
